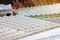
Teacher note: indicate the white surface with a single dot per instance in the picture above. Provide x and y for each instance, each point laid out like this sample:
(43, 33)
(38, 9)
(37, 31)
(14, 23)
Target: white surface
(53, 34)
(19, 26)
(46, 9)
